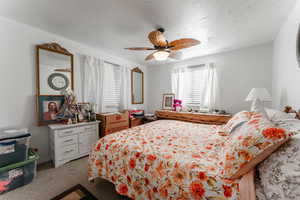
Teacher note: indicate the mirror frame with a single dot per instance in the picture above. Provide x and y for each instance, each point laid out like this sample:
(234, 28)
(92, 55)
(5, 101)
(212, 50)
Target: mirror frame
(137, 70)
(56, 48)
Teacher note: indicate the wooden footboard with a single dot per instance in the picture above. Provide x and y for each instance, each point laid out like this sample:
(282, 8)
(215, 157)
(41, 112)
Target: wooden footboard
(247, 187)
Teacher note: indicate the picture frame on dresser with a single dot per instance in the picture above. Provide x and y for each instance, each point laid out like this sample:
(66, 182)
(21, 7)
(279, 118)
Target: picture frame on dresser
(49, 107)
(167, 102)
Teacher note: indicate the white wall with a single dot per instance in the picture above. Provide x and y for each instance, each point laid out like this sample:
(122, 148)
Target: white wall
(238, 72)
(17, 76)
(286, 71)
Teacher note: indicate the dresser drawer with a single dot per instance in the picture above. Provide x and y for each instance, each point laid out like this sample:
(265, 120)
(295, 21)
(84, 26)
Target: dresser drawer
(89, 128)
(135, 122)
(108, 131)
(68, 152)
(67, 140)
(66, 132)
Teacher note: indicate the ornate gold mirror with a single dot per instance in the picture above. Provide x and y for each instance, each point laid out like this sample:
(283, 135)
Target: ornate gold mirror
(137, 86)
(54, 74)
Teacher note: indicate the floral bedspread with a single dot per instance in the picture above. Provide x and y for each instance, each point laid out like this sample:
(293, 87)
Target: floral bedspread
(164, 159)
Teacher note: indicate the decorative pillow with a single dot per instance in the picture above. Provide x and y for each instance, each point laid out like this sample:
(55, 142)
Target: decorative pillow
(280, 173)
(276, 115)
(250, 145)
(237, 120)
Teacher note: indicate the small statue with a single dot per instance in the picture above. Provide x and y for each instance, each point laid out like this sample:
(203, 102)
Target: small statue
(69, 109)
(177, 105)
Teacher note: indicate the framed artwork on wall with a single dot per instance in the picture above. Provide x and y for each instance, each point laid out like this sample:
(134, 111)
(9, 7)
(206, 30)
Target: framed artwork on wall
(49, 107)
(168, 101)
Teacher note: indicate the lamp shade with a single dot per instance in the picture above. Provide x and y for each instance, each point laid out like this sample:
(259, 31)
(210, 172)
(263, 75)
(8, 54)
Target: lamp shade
(259, 93)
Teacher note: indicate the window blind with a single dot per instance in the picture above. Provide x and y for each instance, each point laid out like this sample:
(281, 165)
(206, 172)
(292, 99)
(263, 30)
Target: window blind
(196, 86)
(112, 89)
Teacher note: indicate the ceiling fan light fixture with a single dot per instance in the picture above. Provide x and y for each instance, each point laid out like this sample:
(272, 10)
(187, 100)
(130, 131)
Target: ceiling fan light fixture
(161, 55)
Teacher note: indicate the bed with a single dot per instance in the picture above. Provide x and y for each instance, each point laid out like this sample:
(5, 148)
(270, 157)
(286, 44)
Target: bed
(164, 159)
(170, 159)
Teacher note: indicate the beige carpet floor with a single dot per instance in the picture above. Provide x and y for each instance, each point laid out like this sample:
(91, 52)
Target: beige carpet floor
(50, 182)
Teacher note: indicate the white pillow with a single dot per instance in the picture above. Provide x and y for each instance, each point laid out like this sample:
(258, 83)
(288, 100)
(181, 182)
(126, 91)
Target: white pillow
(292, 125)
(276, 115)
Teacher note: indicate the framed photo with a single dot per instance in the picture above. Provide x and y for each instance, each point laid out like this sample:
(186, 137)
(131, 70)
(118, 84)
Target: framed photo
(168, 101)
(49, 107)
(83, 109)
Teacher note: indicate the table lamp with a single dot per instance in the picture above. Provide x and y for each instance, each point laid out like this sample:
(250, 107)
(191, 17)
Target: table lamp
(258, 93)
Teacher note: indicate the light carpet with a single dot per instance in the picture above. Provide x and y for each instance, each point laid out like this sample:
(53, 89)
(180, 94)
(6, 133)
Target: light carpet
(50, 182)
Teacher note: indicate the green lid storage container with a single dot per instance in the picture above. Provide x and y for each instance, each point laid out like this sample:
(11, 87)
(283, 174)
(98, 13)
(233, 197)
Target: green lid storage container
(18, 174)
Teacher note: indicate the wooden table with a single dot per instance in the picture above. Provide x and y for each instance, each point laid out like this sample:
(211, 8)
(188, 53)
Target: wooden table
(203, 118)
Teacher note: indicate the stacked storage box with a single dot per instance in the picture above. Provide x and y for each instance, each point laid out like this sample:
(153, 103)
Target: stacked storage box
(17, 162)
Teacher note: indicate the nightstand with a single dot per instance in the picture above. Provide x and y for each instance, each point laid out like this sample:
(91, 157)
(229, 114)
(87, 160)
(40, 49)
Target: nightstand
(133, 121)
(112, 122)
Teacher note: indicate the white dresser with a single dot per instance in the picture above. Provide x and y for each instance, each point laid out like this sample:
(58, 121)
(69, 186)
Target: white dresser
(69, 142)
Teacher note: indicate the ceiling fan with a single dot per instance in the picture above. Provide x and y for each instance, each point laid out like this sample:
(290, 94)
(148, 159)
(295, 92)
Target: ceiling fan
(164, 49)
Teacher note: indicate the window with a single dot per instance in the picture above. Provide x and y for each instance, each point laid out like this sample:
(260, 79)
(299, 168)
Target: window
(105, 85)
(196, 86)
(112, 89)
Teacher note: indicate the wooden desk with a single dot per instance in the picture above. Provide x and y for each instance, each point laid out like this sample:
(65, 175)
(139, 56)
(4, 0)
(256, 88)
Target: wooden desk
(203, 118)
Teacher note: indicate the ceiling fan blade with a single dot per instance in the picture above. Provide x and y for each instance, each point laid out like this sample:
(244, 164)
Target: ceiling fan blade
(140, 48)
(157, 39)
(177, 55)
(150, 56)
(183, 43)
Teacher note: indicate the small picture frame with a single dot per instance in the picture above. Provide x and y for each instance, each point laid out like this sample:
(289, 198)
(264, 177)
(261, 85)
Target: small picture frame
(49, 106)
(167, 103)
(83, 109)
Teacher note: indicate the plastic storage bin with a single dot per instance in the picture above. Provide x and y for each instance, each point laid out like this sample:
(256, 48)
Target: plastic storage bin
(13, 147)
(18, 174)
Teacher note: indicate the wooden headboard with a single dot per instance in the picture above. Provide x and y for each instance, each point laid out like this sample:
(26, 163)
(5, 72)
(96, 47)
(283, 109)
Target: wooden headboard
(289, 109)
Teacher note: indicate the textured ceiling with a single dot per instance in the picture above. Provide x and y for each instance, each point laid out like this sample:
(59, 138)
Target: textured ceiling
(115, 24)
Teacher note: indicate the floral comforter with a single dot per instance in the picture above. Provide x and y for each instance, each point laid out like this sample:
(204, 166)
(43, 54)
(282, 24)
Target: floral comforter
(164, 159)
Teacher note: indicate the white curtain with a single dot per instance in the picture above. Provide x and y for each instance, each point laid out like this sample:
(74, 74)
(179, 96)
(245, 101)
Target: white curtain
(179, 82)
(212, 87)
(104, 85)
(93, 81)
(197, 85)
(125, 88)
